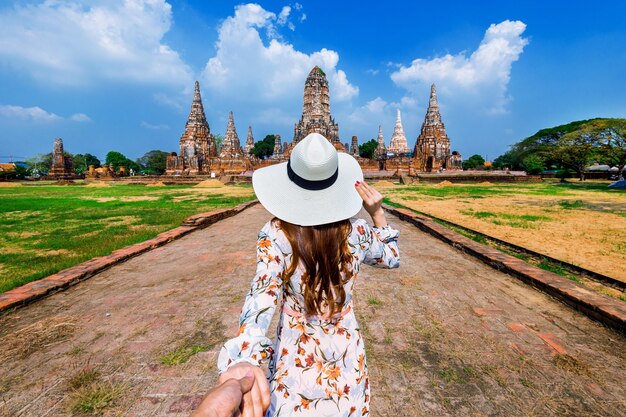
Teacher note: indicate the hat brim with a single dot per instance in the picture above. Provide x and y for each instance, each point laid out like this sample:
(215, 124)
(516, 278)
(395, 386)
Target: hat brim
(291, 203)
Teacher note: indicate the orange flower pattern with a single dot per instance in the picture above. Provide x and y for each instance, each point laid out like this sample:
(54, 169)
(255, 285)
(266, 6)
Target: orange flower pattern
(317, 365)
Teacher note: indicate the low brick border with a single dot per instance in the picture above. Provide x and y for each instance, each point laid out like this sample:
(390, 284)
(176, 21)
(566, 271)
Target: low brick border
(35, 290)
(596, 306)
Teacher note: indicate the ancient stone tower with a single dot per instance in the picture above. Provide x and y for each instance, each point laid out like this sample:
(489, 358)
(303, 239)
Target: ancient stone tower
(432, 149)
(62, 166)
(278, 148)
(231, 147)
(381, 149)
(197, 144)
(316, 116)
(398, 145)
(249, 142)
(354, 147)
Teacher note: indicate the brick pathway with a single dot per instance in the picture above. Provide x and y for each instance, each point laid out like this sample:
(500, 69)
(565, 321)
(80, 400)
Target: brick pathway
(445, 335)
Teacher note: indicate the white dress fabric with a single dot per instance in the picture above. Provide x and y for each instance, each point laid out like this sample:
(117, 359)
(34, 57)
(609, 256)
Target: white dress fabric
(317, 365)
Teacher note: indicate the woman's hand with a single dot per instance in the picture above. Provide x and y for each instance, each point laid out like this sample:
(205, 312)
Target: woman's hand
(372, 203)
(257, 400)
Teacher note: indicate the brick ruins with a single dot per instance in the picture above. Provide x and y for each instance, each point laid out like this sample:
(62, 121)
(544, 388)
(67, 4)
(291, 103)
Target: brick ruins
(432, 149)
(62, 165)
(198, 154)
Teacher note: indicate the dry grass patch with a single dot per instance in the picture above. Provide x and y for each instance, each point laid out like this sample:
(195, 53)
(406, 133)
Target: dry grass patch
(212, 183)
(36, 336)
(581, 227)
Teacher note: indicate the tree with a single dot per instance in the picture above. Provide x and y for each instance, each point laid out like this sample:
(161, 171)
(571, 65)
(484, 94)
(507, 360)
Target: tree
(40, 164)
(219, 140)
(118, 159)
(534, 164)
(612, 141)
(264, 148)
(367, 149)
(82, 162)
(574, 150)
(153, 162)
(473, 162)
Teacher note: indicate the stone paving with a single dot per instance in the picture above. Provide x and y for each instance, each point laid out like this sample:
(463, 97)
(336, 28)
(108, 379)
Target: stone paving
(445, 335)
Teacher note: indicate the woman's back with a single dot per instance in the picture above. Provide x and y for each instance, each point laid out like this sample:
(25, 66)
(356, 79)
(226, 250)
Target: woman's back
(317, 362)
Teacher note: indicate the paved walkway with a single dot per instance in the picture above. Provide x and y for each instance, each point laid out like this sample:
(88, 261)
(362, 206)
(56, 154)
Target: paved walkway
(445, 335)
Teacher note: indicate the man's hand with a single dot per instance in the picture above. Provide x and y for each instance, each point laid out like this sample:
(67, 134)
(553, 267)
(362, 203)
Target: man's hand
(257, 399)
(225, 400)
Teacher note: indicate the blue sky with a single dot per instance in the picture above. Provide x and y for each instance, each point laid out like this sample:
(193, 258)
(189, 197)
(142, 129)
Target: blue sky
(118, 74)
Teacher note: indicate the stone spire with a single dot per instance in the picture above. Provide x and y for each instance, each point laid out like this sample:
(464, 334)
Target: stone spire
(316, 116)
(398, 140)
(381, 149)
(231, 147)
(61, 165)
(249, 142)
(196, 142)
(432, 149)
(278, 147)
(354, 147)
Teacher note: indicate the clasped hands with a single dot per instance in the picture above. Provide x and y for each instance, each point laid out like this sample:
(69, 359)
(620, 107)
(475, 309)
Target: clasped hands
(242, 391)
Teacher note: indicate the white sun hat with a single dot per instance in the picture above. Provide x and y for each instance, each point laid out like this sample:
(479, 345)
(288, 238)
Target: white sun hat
(316, 185)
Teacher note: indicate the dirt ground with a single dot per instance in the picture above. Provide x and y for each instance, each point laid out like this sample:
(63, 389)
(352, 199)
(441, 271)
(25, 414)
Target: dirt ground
(592, 234)
(445, 335)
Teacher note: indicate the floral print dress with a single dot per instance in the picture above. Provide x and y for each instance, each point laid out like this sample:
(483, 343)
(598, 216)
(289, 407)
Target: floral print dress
(317, 365)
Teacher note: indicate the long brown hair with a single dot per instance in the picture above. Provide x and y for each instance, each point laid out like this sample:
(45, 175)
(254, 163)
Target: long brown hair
(324, 252)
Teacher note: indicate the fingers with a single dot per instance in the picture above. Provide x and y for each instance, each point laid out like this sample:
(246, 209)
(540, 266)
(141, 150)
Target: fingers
(256, 401)
(247, 406)
(247, 382)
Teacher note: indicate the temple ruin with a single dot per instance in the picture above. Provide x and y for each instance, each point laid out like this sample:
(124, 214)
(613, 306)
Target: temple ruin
(316, 116)
(199, 155)
(432, 149)
(62, 165)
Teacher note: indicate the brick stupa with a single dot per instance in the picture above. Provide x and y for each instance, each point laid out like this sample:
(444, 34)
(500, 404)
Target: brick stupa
(197, 144)
(432, 149)
(231, 147)
(316, 116)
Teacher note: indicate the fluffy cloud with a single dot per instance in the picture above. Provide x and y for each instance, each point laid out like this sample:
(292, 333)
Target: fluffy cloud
(35, 114)
(482, 77)
(75, 42)
(246, 66)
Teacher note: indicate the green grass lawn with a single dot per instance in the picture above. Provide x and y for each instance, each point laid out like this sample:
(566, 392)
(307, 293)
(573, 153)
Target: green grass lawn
(46, 228)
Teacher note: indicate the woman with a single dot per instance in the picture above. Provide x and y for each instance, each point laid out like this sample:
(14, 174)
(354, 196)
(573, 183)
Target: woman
(308, 258)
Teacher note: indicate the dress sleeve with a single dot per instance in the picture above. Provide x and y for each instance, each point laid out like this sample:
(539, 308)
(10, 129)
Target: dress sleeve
(251, 345)
(382, 250)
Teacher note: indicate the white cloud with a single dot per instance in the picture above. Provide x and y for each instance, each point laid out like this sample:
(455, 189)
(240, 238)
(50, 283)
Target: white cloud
(80, 117)
(35, 114)
(154, 127)
(246, 67)
(283, 15)
(372, 71)
(70, 42)
(482, 78)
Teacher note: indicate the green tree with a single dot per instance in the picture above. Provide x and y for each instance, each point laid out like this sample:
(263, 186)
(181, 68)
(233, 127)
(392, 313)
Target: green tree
(534, 164)
(367, 149)
(118, 159)
(474, 162)
(264, 148)
(153, 162)
(612, 142)
(219, 141)
(40, 164)
(574, 150)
